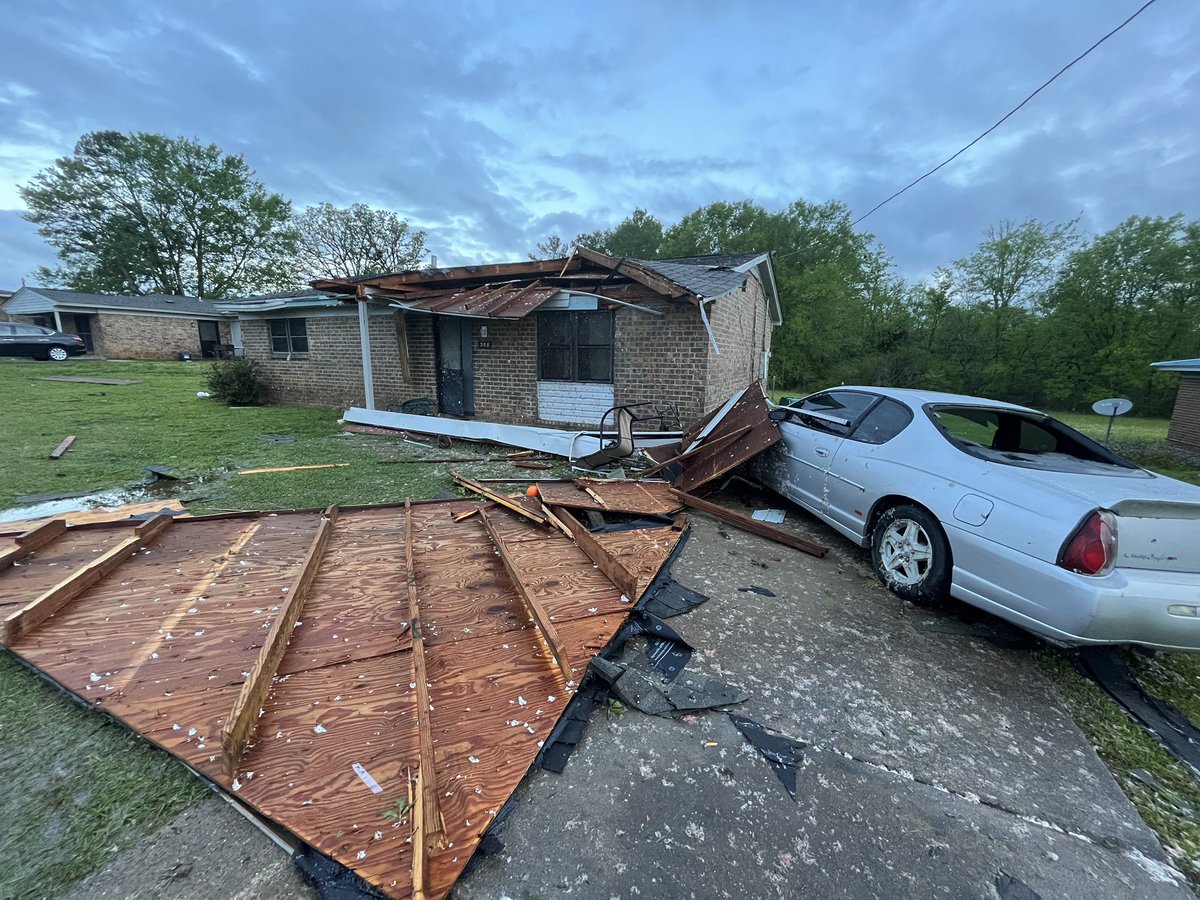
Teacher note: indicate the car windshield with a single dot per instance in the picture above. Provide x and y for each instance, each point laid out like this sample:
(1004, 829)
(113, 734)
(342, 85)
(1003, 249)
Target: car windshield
(1026, 439)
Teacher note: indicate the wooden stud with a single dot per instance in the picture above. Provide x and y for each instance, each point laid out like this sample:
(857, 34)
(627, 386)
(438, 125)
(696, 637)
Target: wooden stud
(58, 451)
(540, 616)
(432, 835)
(624, 580)
(239, 725)
(762, 529)
(496, 497)
(592, 494)
(24, 620)
(292, 468)
(33, 539)
(710, 444)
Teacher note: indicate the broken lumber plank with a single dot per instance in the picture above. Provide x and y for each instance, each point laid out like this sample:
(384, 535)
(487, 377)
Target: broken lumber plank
(540, 616)
(58, 451)
(38, 610)
(587, 490)
(432, 833)
(688, 454)
(762, 529)
(292, 468)
(625, 581)
(33, 539)
(497, 497)
(239, 725)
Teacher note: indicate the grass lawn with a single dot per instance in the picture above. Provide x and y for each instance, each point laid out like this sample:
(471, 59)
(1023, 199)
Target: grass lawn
(76, 787)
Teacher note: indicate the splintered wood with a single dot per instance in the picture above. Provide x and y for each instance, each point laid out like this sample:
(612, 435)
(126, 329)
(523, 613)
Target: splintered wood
(430, 656)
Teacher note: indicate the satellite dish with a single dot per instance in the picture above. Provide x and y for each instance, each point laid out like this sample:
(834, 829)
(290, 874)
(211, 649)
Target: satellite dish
(1115, 406)
(1112, 407)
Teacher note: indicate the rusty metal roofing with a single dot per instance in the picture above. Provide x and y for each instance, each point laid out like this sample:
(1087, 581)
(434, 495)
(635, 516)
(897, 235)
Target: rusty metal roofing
(503, 300)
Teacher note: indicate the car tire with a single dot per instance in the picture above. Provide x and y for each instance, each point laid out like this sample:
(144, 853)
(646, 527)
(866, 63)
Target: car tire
(57, 354)
(910, 554)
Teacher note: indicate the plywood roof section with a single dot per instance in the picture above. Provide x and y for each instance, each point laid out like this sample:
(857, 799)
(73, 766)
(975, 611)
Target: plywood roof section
(415, 690)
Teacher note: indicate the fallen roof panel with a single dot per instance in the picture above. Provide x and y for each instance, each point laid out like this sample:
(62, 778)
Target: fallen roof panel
(167, 642)
(571, 444)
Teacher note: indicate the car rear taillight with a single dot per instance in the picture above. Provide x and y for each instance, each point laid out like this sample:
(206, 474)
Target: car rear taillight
(77, 339)
(1092, 549)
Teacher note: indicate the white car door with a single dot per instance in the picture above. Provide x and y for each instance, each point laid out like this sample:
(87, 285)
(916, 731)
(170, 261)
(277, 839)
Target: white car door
(811, 438)
(854, 483)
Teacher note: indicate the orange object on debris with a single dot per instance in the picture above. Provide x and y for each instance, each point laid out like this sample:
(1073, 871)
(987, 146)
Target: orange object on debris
(532, 491)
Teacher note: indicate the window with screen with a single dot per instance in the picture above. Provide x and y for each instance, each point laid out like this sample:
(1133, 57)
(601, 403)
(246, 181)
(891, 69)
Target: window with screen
(575, 346)
(288, 336)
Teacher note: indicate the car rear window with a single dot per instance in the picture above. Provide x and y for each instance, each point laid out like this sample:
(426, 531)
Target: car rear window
(1017, 438)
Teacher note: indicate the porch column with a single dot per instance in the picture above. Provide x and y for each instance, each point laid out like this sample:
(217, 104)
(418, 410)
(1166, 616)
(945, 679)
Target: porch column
(57, 321)
(364, 340)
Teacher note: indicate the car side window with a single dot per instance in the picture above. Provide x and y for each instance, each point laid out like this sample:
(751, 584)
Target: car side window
(970, 426)
(29, 330)
(883, 423)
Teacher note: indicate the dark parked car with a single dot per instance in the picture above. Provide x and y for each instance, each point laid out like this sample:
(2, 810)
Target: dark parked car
(19, 339)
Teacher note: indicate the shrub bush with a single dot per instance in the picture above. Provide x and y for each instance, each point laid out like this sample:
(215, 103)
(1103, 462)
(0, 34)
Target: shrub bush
(237, 382)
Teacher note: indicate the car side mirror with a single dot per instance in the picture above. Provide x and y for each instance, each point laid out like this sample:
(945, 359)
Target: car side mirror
(779, 414)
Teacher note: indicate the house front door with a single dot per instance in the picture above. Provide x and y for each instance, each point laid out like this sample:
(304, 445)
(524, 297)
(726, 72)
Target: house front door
(455, 365)
(210, 339)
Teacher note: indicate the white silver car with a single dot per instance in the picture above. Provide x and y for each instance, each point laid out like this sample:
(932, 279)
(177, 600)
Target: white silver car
(1000, 506)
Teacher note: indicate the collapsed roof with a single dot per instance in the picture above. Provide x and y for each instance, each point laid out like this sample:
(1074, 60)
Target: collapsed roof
(514, 290)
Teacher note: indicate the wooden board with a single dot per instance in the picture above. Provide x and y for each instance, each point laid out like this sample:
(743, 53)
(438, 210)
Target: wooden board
(167, 641)
(726, 454)
(651, 498)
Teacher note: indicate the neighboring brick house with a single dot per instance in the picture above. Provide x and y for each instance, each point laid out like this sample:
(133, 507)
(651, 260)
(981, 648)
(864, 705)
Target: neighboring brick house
(1185, 419)
(543, 341)
(122, 327)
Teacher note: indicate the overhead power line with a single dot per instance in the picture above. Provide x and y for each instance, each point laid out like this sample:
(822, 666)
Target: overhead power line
(1007, 115)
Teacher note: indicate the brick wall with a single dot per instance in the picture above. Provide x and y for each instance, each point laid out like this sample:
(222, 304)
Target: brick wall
(331, 374)
(1185, 420)
(661, 359)
(117, 336)
(506, 371)
(741, 323)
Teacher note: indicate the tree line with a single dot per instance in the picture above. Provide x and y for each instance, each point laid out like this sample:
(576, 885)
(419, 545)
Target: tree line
(1037, 314)
(148, 214)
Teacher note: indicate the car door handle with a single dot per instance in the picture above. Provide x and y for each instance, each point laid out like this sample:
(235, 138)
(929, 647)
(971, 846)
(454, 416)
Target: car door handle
(821, 451)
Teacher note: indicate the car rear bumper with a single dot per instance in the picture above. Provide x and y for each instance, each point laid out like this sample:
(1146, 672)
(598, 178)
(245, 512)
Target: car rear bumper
(1126, 606)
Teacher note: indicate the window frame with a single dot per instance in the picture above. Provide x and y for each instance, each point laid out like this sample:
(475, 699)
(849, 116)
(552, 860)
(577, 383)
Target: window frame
(575, 318)
(289, 336)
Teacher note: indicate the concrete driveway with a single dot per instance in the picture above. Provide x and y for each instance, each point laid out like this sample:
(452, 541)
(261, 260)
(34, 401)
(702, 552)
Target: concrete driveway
(938, 765)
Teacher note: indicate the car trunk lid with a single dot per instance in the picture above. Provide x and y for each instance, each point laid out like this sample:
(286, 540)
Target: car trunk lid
(1162, 535)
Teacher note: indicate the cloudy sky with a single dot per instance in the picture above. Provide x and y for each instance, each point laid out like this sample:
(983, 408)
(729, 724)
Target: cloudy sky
(492, 125)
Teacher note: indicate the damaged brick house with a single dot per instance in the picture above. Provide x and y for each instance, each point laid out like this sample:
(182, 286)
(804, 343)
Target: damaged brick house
(117, 326)
(540, 342)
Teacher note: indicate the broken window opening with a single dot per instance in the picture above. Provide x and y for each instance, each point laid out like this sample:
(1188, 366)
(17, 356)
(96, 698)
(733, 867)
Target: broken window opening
(575, 346)
(1017, 438)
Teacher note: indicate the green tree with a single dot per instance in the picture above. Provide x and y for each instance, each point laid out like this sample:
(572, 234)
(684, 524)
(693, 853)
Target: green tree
(144, 213)
(638, 236)
(356, 240)
(552, 247)
(1125, 299)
